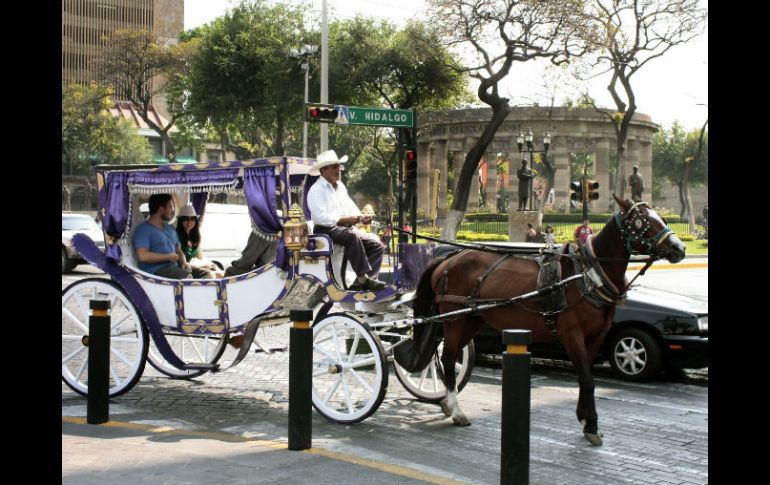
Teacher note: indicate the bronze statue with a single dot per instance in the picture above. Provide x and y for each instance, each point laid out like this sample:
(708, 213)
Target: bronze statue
(637, 185)
(525, 175)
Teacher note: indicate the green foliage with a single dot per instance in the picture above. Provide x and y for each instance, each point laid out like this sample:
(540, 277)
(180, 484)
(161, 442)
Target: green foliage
(670, 150)
(242, 80)
(91, 134)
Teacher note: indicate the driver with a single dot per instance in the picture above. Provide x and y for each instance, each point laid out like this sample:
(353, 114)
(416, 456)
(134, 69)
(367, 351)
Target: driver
(334, 213)
(156, 243)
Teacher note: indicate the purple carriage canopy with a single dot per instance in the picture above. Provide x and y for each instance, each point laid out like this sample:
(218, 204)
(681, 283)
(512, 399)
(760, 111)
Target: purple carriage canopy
(264, 182)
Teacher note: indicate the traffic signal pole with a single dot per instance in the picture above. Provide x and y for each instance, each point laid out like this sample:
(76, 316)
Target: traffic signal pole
(585, 192)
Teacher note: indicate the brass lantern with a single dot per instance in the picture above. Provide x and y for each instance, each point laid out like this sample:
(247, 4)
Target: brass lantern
(368, 211)
(295, 233)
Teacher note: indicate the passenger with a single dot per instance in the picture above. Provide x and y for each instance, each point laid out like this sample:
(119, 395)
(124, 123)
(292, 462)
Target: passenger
(156, 244)
(258, 252)
(188, 232)
(335, 214)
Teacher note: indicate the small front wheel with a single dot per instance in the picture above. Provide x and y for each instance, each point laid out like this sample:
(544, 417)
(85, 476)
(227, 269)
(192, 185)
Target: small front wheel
(428, 384)
(350, 374)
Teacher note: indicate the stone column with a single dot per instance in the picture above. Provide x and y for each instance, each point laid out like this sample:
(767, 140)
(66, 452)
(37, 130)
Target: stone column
(473, 194)
(490, 188)
(601, 171)
(440, 163)
(562, 179)
(424, 178)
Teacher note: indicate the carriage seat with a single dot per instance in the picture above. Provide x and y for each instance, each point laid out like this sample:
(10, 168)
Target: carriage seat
(338, 254)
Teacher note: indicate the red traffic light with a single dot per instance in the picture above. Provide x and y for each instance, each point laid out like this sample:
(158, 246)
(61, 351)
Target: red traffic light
(322, 113)
(411, 155)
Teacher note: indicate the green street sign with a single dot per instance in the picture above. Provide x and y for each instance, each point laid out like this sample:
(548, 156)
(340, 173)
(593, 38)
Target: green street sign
(352, 115)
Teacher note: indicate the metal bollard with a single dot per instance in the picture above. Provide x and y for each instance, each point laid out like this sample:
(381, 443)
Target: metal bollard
(300, 380)
(98, 342)
(514, 439)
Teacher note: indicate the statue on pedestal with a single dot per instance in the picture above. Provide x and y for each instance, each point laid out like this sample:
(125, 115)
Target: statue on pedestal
(525, 175)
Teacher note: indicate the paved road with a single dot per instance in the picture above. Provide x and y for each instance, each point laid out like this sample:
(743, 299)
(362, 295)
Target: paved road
(230, 427)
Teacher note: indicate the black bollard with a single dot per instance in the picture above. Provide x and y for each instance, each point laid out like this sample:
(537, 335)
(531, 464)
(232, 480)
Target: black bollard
(300, 380)
(514, 439)
(98, 342)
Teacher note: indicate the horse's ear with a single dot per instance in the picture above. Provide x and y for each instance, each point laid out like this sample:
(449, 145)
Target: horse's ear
(624, 204)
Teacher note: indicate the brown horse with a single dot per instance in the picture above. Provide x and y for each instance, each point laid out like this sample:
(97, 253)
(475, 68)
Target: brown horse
(476, 277)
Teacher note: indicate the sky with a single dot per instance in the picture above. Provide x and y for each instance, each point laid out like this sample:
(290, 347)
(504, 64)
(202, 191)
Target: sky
(672, 87)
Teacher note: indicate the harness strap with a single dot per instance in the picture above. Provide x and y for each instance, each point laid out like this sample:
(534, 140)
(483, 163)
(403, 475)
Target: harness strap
(485, 274)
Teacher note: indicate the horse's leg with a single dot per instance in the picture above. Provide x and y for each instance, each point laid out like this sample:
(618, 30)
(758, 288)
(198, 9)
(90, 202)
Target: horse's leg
(457, 334)
(586, 407)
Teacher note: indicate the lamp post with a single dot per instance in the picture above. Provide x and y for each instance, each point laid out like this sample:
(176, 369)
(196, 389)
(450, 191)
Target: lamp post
(304, 53)
(528, 138)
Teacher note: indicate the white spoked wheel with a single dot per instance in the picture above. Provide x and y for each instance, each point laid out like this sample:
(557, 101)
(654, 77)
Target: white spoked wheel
(428, 384)
(350, 374)
(128, 336)
(191, 349)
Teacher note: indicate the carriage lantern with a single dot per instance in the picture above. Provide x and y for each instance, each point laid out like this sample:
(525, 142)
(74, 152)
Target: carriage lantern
(368, 211)
(295, 231)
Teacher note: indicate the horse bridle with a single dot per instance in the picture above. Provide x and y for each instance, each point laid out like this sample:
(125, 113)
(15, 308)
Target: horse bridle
(634, 225)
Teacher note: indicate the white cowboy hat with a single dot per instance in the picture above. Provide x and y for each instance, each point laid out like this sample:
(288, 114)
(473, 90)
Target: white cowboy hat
(329, 157)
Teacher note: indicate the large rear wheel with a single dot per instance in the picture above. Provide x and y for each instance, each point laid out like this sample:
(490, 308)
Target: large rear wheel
(350, 374)
(128, 336)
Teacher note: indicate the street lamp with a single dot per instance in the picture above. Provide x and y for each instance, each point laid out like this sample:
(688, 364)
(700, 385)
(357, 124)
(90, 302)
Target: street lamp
(304, 53)
(528, 139)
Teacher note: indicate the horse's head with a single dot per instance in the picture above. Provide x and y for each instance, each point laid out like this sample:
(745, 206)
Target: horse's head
(645, 232)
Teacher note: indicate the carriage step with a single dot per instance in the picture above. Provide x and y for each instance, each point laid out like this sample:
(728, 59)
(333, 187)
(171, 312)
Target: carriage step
(271, 350)
(200, 366)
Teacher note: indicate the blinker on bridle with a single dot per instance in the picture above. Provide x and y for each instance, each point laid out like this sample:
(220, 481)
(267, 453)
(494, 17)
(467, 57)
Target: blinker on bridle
(635, 225)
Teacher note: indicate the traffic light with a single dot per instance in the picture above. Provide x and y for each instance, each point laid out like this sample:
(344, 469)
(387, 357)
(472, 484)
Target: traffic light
(410, 159)
(323, 113)
(577, 191)
(591, 187)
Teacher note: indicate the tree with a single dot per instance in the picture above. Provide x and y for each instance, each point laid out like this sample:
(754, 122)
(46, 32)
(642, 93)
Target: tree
(376, 64)
(243, 82)
(143, 66)
(91, 134)
(633, 33)
(501, 32)
(681, 158)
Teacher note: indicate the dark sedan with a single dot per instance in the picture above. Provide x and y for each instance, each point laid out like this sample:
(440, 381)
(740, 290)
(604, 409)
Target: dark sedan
(652, 331)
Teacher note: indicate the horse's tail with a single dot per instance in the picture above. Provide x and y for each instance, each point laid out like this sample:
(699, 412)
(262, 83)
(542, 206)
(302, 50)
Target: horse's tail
(414, 355)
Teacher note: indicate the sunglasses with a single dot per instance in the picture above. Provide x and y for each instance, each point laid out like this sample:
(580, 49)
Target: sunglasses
(184, 218)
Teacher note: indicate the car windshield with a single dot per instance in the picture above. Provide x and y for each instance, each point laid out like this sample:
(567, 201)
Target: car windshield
(78, 223)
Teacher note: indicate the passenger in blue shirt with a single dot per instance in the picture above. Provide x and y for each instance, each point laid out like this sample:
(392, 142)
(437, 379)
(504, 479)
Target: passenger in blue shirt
(156, 243)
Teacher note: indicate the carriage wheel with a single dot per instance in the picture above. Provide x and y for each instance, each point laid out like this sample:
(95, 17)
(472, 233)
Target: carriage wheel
(198, 349)
(350, 374)
(128, 336)
(428, 384)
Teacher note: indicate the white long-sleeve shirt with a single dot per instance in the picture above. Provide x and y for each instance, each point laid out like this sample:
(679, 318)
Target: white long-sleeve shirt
(327, 204)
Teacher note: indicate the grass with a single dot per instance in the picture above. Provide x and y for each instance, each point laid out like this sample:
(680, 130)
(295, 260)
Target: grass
(699, 246)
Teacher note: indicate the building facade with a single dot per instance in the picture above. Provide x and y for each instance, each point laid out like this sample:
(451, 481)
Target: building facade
(452, 133)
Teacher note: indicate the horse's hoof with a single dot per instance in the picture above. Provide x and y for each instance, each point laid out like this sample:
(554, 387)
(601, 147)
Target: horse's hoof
(594, 438)
(445, 408)
(461, 421)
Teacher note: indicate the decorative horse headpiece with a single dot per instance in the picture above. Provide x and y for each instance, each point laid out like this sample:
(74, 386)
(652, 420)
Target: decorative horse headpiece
(634, 225)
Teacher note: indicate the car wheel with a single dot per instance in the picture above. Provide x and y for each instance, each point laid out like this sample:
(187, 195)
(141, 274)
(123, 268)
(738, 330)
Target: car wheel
(635, 355)
(66, 264)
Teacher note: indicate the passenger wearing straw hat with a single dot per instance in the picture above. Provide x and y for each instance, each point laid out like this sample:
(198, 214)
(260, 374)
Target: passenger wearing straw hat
(334, 213)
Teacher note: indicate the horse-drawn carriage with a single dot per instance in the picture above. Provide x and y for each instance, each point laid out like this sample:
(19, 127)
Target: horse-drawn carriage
(182, 326)
(555, 293)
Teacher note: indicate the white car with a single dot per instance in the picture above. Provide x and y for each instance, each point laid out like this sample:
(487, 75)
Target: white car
(72, 224)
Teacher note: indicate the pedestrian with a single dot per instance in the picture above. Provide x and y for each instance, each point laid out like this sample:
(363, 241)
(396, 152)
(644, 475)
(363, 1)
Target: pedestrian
(549, 236)
(531, 234)
(582, 232)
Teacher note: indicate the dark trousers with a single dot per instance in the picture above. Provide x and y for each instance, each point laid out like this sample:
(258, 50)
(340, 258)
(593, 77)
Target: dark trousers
(364, 252)
(257, 253)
